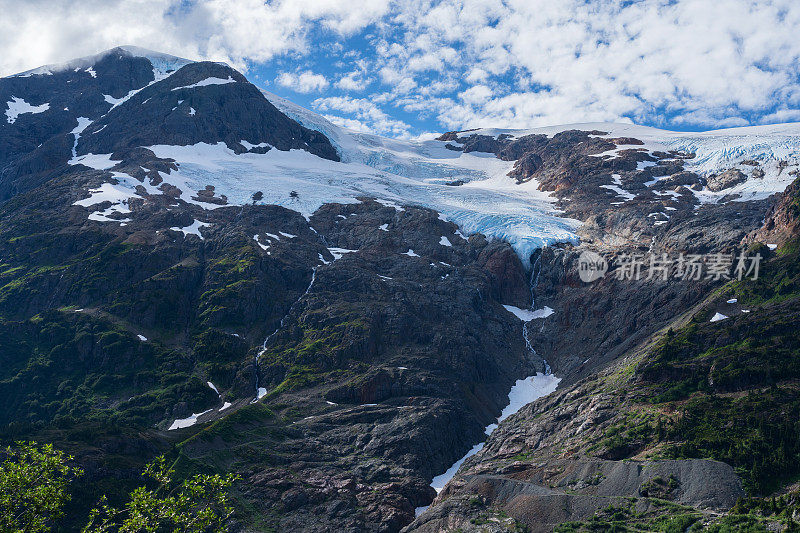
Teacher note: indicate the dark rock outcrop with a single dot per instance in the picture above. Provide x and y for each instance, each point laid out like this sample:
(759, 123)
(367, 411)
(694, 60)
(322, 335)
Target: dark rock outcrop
(726, 180)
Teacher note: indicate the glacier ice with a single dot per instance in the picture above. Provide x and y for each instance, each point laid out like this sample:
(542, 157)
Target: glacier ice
(401, 172)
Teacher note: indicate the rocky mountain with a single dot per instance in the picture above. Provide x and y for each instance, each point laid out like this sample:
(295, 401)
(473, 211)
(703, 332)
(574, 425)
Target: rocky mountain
(191, 266)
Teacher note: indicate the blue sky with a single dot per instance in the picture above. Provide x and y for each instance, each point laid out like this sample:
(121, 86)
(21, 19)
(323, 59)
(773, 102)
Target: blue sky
(405, 68)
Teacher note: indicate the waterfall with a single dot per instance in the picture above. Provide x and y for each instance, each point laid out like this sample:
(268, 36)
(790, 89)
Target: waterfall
(523, 392)
(533, 282)
(258, 389)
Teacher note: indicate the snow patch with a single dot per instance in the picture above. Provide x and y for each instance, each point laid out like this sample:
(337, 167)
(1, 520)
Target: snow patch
(444, 241)
(337, 253)
(248, 145)
(527, 314)
(95, 161)
(389, 203)
(18, 106)
(115, 102)
(187, 422)
(142, 338)
(208, 81)
(262, 246)
(83, 123)
(107, 192)
(616, 187)
(523, 392)
(192, 229)
(410, 253)
(390, 171)
(717, 317)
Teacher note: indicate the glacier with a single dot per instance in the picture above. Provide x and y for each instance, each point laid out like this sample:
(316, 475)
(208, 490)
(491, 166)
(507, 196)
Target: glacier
(416, 172)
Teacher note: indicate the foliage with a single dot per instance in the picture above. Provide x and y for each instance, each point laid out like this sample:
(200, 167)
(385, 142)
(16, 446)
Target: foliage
(708, 380)
(33, 487)
(66, 365)
(35, 482)
(196, 505)
(661, 516)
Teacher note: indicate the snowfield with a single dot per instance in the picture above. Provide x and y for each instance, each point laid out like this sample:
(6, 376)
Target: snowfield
(187, 422)
(18, 106)
(490, 202)
(206, 82)
(523, 392)
(527, 315)
(714, 151)
(401, 172)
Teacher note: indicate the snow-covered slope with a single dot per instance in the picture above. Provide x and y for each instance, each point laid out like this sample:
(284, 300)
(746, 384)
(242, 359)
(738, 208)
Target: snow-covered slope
(714, 151)
(417, 172)
(423, 172)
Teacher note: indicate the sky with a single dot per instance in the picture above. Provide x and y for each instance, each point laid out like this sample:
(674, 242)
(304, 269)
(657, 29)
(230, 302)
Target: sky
(407, 68)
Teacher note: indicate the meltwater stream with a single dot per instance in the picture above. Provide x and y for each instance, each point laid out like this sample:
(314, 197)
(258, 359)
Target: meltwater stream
(523, 392)
(261, 391)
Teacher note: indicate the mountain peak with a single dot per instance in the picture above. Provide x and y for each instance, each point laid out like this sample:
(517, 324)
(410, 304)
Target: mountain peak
(159, 60)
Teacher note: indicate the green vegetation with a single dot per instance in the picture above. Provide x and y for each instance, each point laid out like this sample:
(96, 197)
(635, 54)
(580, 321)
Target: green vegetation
(196, 505)
(66, 365)
(654, 515)
(33, 487)
(758, 433)
(35, 482)
(657, 516)
(728, 390)
(750, 516)
(631, 434)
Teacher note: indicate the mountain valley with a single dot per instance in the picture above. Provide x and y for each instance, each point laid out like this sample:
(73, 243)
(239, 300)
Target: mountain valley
(194, 267)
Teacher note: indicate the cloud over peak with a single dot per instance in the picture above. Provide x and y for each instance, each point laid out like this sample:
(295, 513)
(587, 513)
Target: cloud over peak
(451, 64)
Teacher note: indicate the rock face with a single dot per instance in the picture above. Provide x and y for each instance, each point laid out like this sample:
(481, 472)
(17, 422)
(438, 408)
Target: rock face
(368, 348)
(782, 222)
(201, 102)
(377, 331)
(577, 339)
(591, 454)
(374, 387)
(547, 494)
(559, 460)
(726, 180)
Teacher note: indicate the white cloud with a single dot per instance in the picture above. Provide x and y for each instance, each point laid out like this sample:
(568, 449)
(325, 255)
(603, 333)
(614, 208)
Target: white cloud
(36, 32)
(367, 116)
(476, 95)
(350, 82)
(302, 82)
(355, 80)
(513, 63)
(476, 75)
